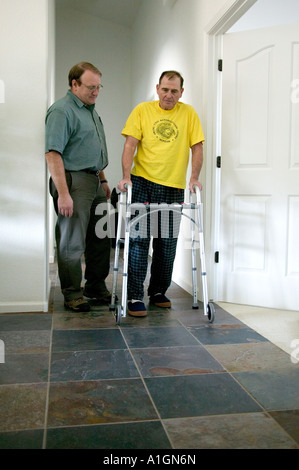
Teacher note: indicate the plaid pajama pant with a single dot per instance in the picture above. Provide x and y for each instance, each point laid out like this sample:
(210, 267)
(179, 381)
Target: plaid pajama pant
(163, 227)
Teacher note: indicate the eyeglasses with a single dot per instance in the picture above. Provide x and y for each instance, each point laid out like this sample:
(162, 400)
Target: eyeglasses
(93, 88)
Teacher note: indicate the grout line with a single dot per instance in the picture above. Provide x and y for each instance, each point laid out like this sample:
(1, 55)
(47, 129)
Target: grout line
(44, 445)
(147, 390)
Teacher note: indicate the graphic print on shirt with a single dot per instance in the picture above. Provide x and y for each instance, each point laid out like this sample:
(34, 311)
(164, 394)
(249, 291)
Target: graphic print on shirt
(165, 130)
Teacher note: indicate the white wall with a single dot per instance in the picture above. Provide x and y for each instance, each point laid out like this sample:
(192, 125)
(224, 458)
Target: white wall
(81, 36)
(23, 74)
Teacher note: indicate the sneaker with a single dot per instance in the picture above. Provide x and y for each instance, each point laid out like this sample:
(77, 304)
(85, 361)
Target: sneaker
(103, 296)
(77, 305)
(136, 308)
(160, 300)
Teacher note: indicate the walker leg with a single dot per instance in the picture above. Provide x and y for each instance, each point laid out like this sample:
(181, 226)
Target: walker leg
(209, 308)
(121, 310)
(112, 306)
(193, 258)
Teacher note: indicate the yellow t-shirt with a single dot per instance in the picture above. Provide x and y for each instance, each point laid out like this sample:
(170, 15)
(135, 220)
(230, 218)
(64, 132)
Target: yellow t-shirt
(165, 137)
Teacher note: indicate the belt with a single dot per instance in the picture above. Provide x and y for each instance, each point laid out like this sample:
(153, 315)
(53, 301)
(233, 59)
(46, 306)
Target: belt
(91, 172)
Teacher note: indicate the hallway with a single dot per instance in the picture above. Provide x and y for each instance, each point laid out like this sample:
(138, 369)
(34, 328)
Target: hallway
(167, 381)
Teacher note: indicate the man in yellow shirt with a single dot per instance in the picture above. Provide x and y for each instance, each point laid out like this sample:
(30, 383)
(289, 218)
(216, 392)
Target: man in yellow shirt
(162, 131)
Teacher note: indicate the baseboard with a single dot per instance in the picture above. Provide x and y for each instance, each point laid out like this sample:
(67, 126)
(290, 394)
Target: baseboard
(25, 307)
(183, 284)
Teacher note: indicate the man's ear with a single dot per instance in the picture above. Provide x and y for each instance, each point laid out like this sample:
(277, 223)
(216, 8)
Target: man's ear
(74, 83)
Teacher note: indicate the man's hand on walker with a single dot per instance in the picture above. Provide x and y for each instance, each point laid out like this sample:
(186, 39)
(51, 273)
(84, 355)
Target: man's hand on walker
(194, 183)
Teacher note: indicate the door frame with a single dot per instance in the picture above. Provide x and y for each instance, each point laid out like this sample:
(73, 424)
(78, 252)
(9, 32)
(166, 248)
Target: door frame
(50, 214)
(221, 23)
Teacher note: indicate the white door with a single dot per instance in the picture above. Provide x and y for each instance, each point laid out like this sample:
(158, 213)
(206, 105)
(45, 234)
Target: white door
(259, 229)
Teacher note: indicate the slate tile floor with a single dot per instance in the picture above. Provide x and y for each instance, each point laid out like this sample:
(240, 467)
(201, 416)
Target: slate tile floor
(167, 381)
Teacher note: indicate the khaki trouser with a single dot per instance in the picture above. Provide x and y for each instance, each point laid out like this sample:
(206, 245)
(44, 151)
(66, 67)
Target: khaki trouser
(76, 236)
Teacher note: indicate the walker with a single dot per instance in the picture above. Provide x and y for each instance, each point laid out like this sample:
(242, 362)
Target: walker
(196, 220)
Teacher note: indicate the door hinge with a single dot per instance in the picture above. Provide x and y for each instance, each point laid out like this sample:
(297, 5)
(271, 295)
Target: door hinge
(218, 162)
(220, 64)
(216, 256)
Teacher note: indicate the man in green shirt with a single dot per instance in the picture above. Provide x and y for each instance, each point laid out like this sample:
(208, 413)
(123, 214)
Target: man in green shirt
(76, 155)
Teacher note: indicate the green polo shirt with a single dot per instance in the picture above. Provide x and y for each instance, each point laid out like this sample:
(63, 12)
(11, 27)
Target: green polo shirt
(76, 132)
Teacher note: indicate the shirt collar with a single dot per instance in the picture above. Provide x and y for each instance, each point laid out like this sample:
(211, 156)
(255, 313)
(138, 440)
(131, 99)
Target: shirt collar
(80, 103)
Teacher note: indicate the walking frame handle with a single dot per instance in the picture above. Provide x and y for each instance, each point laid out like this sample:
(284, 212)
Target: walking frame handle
(197, 192)
(129, 192)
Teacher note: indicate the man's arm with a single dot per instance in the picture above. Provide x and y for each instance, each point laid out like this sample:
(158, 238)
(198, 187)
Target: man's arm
(56, 169)
(127, 161)
(197, 161)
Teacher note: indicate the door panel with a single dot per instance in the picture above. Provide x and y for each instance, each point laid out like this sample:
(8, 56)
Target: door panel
(259, 228)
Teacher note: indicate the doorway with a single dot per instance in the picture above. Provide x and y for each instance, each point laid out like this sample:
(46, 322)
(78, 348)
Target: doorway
(253, 232)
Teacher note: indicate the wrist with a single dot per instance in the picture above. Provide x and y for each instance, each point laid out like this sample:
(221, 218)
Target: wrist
(103, 181)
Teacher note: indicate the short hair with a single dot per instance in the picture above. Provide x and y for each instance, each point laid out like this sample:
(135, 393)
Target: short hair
(77, 71)
(170, 74)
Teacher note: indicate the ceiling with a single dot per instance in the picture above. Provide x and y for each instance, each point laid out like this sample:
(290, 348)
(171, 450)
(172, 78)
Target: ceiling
(122, 12)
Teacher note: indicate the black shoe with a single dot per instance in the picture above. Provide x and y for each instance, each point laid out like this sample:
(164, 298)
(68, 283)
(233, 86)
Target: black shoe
(137, 308)
(103, 296)
(77, 305)
(160, 300)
